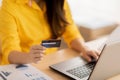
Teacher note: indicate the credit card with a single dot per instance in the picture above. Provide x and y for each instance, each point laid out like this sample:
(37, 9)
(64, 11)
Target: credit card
(51, 43)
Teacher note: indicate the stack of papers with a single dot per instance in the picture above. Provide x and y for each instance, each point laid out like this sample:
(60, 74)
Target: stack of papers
(21, 72)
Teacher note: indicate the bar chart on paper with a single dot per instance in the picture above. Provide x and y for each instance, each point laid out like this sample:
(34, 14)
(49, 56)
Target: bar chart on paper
(27, 72)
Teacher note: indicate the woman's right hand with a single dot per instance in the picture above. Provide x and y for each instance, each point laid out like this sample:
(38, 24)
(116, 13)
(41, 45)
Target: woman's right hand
(36, 53)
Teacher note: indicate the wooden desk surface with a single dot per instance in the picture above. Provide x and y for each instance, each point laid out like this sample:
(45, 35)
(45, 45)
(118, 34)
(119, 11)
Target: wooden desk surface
(59, 56)
(115, 77)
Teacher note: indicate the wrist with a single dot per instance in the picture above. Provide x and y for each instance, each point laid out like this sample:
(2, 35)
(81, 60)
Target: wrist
(16, 57)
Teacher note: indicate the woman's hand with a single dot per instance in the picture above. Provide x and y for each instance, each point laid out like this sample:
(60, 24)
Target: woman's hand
(89, 54)
(86, 52)
(36, 53)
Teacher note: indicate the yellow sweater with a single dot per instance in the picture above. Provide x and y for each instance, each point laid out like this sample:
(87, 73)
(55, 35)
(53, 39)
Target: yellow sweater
(22, 26)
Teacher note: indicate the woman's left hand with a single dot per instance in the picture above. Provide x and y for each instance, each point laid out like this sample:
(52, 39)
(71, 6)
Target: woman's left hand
(89, 54)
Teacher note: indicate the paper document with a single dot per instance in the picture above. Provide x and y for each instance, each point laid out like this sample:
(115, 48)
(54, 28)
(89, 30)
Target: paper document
(21, 72)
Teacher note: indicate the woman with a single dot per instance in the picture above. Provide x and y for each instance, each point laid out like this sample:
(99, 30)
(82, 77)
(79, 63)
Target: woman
(25, 23)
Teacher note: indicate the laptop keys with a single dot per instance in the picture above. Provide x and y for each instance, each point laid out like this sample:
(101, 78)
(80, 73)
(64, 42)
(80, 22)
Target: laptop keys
(82, 71)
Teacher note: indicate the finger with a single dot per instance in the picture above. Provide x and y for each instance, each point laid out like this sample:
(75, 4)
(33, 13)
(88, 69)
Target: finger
(87, 58)
(98, 53)
(93, 54)
(41, 55)
(38, 51)
(37, 59)
(37, 55)
(38, 47)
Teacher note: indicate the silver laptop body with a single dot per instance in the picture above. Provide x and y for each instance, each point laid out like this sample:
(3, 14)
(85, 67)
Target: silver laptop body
(107, 65)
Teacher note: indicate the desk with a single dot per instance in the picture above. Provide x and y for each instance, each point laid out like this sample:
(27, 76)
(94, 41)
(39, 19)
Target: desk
(115, 78)
(59, 56)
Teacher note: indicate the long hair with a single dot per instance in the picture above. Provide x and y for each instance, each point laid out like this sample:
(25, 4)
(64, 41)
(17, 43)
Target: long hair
(56, 17)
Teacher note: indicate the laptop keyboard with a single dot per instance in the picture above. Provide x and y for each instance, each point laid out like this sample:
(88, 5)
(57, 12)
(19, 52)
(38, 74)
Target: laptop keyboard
(82, 71)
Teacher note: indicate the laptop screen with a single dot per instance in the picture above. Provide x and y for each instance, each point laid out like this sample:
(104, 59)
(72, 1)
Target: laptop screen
(98, 59)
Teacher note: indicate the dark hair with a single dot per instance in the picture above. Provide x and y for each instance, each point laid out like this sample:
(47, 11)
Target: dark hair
(56, 17)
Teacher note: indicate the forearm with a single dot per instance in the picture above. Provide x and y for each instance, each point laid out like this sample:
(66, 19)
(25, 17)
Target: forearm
(35, 54)
(78, 45)
(16, 57)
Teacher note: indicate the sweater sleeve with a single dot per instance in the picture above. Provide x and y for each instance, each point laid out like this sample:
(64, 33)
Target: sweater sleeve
(8, 35)
(71, 31)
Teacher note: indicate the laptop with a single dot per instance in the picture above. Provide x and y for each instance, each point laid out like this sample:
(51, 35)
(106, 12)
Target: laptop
(106, 66)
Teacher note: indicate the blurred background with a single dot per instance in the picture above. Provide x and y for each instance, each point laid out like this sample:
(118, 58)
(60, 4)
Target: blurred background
(95, 18)
(91, 9)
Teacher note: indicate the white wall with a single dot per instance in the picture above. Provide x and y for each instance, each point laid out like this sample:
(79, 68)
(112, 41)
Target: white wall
(89, 9)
